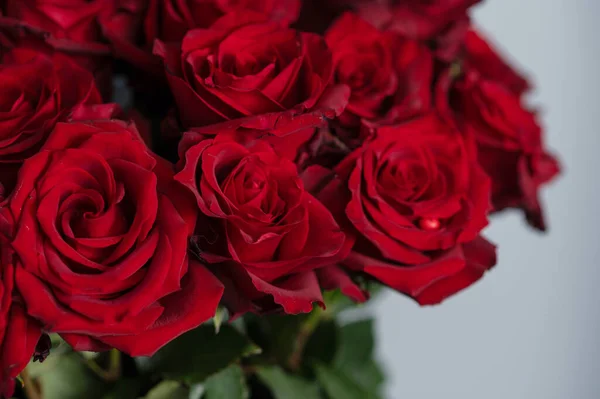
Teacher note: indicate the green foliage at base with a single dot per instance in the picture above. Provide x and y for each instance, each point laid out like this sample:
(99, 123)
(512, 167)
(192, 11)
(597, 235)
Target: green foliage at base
(311, 356)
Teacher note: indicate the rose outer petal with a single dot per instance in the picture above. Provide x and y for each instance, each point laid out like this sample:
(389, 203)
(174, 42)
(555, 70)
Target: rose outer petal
(334, 277)
(184, 310)
(20, 339)
(296, 294)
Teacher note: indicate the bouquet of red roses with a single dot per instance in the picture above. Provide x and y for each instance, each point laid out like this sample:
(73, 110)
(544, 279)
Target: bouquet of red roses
(191, 190)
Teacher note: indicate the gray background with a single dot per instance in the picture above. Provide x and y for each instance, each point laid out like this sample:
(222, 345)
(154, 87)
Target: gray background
(531, 328)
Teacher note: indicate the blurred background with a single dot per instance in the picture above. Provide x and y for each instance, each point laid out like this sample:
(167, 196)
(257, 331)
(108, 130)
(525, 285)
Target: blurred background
(531, 328)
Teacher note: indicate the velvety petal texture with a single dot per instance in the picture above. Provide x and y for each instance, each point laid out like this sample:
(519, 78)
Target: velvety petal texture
(101, 232)
(37, 92)
(414, 196)
(244, 65)
(336, 277)
(18, 332)
(286, 132)
(257, 215)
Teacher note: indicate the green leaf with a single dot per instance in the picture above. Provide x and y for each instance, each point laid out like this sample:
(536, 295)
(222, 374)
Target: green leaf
(276, 334)
(168, 390)
(354, 356)
(199, 353)
(323, 343)
(56, 341)
(339, 385)
(287, 386)
(124, 389)
(356, 344)
(370, 375)
(67, 377)
(229, 383)
(336, 302)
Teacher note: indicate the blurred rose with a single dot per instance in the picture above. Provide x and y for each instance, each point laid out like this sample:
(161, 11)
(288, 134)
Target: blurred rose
(509, 142)
(37, 92)
(482, 57)
(246, 65)
(390, 77)
(440, 23)
(170, 20)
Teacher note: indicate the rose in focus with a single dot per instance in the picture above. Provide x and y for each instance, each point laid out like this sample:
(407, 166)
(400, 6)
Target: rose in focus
(416, 201)
(101, 234)
(259, 226)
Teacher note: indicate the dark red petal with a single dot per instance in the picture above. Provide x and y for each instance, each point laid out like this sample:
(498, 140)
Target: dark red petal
(480, 256)
(21, 336)
(334, 277)
(184, 310)
(296, 294)
(410, 280)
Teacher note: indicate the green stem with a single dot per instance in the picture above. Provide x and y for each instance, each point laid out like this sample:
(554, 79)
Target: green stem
(307, 329)
(114, 366)
(32, 390)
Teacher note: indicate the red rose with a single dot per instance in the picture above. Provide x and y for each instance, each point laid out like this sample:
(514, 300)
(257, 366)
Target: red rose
(246, 65)
(75, 28)
(37, 92)
(101, 234)
(123, 19)
(416, 201)
(169, 20)
(334, 277)
(483, 58)
(287, 132)
(72, 26)
(258, 219)
(78, 24)
(441, 23)
(389, 76)
(18, 333)
(509, 142)
(65, 19)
